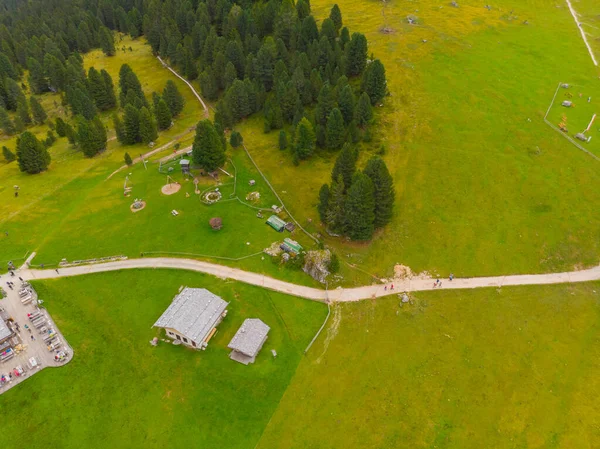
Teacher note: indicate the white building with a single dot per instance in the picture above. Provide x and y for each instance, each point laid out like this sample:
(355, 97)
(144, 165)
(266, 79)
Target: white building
(248, 341)
(193, 317)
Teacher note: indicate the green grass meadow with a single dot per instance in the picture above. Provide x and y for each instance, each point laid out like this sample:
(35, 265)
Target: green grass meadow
(509, 368)
(120, 392)
(483, 185)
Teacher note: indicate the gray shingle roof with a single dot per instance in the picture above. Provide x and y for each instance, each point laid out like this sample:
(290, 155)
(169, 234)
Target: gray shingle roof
(5, 332)
(193, 313)
(249, 337)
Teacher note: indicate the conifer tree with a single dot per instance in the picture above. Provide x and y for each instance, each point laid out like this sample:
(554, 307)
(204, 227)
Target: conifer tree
(356, 54)
(110, 99)
(148, 131)
(346, 103)
(384, 193)
(325, 103)
(107, 42)
(131, 125)
(374, 82)
(163, 115)
(345, 166)
(6, 123)
(364, 111)
(119, 128)
(335, 129)
(130, 88)
(7, 69)
(61, 127)
(208, 86)
(23, 111)
(37, 77)
(9, 156)
(336, 17)
(336, 203)
(173, 98)
(70, 133)
(237, 101)
(127, 159)
(207, 149)
(283, 141)
(13, 94)
(39, 115)
(305, 140)
(323, 206)
(236, 139)
(32, 156)
(359, 210)
(91, 136)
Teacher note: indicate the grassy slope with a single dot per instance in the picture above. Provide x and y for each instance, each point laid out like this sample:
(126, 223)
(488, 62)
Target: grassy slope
(47, 198)
(475, 195)
(121, 392)
(510, 368)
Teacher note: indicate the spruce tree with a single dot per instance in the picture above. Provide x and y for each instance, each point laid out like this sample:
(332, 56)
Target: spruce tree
(173, 98)
(345, 166)
(127, 159)
(335, 132)
(70, 133)
(91, 136)
(32, 156)
(346, 103)
(207, 149)
(323, 202)
(384, 193)
(237, 101)
(325, 103)
(13, 94)
(110, 99)
(9, 156)
(374, 82)
(336, 203)
(208, 86)
(356, 54)
(163, 115)
(359, 213)
(37, 77)
(236, 139)
(148, 131)
(130, 88)
(364, 111)
(119, 128)
(305, 140)
(39, 115)
(283, 141)
(6, 123)
(61, 127)
(107, 42)
(7, 69)
(23, 111)
(131, 125)
(336, 17)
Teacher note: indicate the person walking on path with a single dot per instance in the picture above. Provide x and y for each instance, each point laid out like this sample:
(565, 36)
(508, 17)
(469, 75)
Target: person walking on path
(451, 276)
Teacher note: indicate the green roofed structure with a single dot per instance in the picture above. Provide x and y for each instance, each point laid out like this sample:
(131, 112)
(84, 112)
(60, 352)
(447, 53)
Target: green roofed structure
(276, 223)
(292, 246)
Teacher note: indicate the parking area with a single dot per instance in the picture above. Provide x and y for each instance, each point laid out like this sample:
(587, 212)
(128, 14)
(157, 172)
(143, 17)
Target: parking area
(29, 338)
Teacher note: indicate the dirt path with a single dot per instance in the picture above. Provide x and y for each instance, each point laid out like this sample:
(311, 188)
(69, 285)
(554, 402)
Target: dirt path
(315, 294)
(189, 85)
(153, 152)
(585, 41)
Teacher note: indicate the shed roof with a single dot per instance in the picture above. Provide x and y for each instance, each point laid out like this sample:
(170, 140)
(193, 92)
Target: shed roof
(193, 313)
(275, 220)
(249, 337)
(184, 162)
(5, 332)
